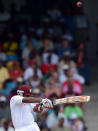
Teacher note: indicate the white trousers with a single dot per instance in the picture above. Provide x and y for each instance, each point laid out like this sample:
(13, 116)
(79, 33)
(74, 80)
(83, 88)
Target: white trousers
(33, 127)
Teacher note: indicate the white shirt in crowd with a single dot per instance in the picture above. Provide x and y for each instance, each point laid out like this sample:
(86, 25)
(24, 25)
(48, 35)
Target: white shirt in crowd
(54, 58)
(51, 120)
(76, 76)
(25, 53)
(29, 72)
(3, 56)
(22, 113)
(35, 84)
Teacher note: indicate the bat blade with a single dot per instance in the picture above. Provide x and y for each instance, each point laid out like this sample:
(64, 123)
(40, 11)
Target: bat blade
(73, 99)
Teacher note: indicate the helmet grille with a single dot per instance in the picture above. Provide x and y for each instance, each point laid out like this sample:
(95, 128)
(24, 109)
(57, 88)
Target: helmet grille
(19, 92)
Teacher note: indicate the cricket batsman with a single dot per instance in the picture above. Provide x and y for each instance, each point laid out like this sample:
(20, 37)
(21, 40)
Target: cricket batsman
(23, 107)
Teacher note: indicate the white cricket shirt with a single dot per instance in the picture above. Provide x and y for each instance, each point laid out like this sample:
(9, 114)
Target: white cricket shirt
(22, 113)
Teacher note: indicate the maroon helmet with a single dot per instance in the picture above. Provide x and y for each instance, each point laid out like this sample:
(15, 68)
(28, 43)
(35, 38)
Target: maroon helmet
(24, 90)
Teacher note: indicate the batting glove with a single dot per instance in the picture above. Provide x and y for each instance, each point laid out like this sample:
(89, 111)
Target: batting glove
(46, 103)
(39, 107)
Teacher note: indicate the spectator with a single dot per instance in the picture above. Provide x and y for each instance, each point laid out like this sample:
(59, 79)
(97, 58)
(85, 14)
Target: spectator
(11, 48)
(9, 65)
(16, 72)
(4, 109)
(64, 47)
(33, 37)
(77, 124)
(45, 44)
(35, 80)
(4, 75)
(61, 126)
(52, 89)
(26, 51)
(5, 126)
(9, 87)
(50, 59)
(23, 41)
(62, 115)
(48, 75)
(73, 72)
(73, 109)
(70, 72)
(82, 65)
(29, 72)
(3, 56)
(71, 87)
(67, 60)
(55, 78)
(52, 120)
(36, 92)
(63, 70)
(25, 64)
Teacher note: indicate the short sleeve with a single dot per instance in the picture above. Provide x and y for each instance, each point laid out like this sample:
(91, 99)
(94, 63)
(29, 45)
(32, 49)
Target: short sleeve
(16, 100)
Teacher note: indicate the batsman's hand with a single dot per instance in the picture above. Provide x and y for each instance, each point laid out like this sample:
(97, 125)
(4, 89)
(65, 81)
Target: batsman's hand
(46, 103)
(39, 108)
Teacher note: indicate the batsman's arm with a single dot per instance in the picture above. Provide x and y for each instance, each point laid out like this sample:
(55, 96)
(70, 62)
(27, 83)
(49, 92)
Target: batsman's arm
(43, 103)
(31, 100)
(46, 103)
(36, 108)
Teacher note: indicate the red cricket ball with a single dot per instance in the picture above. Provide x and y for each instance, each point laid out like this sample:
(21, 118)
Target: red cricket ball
(79, 4)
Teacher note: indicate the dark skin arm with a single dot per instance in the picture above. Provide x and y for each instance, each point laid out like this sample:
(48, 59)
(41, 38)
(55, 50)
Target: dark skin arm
(32, 100)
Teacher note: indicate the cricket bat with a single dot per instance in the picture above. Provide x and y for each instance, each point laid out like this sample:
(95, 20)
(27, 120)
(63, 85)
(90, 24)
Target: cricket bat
(70, 100)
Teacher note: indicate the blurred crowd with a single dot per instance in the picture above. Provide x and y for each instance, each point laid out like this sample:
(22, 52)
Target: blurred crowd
(48, 57)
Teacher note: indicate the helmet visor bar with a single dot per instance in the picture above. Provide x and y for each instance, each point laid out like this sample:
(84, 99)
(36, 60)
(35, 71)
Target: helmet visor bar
(19, 92)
